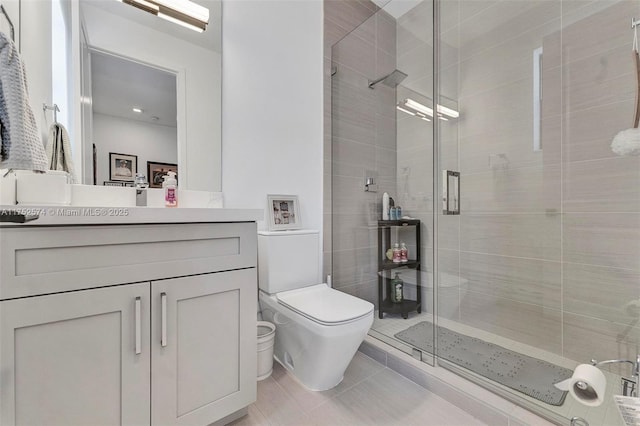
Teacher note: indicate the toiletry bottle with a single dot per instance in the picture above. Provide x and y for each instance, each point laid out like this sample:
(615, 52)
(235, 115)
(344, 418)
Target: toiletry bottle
(398, 213)
(404, 253)
(141, 186)
(396, 289)
(170, 186)
(396, 253)
(385, 206)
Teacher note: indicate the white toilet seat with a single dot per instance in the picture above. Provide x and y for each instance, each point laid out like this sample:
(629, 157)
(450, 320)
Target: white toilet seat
(324, 305)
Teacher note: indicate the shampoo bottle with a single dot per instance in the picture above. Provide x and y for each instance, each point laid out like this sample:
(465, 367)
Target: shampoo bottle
(385, 206)
(396, 289)
(170, 186)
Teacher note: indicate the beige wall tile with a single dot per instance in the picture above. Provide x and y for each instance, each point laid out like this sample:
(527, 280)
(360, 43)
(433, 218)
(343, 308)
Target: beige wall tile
(607, 185)
(533, 325)
(525, 190)
(604, 239)
(603, 293)
(587, 338)
(530, 281)
(341, 17)
(588, 133)
(522, 235)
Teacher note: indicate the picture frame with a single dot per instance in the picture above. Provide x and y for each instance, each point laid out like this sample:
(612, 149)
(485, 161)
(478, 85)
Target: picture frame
(284, 212)
(157, 169)
(122, 167)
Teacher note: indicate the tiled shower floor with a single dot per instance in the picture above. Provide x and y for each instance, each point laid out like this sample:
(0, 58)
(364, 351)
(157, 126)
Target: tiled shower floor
(370, 394)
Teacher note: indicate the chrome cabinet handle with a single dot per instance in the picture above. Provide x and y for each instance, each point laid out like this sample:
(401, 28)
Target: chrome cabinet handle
(138, 326)
(163, 319)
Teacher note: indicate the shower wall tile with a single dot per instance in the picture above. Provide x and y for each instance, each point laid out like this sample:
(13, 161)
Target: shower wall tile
(551, 139)
(521, 280)
(449, 231)
(341, 17)
(478, 73)
(525, 190)
(600, 79)
(350, 232)
(352, 158)
(607, 185)
(385, 166)
(349, 196)
(355, 53)
(367, 290)
(385, 131)
(527, 19)
(522, 235)
(386, 33)
(588, 133)
(603, 293)
(602, 239)
(587, 338)
(352, 267)
(533, 325)
(595, 33)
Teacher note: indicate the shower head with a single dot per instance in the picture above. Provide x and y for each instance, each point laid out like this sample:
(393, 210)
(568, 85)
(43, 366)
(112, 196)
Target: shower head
(391, 80)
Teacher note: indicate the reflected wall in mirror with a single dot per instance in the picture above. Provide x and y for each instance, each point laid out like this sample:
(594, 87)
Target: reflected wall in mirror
(60, 41)
(134, 112)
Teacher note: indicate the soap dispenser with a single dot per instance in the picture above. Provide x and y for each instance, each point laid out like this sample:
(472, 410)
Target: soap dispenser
(141, 185)
(170, 186)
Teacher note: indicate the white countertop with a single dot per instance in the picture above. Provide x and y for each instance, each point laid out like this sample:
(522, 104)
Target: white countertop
(67, 215)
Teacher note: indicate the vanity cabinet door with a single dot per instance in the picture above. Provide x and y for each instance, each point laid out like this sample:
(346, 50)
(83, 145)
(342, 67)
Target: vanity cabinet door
(203, 330)
(78, 358)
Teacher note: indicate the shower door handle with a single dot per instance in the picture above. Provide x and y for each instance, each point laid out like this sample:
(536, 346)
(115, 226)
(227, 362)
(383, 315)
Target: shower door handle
(450, 192)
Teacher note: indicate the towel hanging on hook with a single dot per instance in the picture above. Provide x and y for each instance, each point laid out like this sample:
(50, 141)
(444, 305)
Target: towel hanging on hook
(627, 142)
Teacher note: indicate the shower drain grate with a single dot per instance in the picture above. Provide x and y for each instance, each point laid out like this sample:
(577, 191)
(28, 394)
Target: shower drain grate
(531, 376)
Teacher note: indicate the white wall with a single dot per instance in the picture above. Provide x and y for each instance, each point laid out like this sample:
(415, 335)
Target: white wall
(198, 82)
(35, 49)
(115, 134)
(272, 104)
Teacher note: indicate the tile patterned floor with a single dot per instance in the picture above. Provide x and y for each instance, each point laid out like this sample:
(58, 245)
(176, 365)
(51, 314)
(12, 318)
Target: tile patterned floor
(370, 394)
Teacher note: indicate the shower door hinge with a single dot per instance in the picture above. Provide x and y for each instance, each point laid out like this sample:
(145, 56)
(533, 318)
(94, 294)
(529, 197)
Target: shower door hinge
(450, 192)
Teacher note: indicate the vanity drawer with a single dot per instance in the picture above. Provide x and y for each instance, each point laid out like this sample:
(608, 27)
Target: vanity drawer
(40, 260)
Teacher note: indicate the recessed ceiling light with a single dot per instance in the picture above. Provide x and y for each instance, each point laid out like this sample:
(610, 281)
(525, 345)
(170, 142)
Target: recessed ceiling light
(138, 110)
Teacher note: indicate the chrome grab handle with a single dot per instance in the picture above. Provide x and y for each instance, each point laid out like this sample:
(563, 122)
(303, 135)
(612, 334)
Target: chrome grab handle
(163, 319)
(450, 192)
(138, 326)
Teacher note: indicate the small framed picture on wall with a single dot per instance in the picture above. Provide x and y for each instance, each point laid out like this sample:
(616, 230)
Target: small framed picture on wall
(284, 212)
(122, 167)
(156, 171)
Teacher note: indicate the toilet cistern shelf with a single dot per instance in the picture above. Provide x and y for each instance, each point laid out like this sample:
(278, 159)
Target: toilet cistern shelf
(384, 278)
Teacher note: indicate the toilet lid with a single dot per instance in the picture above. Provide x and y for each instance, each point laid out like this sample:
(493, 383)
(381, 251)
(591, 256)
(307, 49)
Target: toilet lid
(324, 304)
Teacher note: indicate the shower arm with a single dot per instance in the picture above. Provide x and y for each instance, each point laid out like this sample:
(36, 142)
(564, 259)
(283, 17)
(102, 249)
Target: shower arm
(629, 385)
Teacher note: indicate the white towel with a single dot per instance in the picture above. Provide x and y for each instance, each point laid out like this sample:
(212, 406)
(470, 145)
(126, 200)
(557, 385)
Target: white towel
(20, 146)
(59, 149)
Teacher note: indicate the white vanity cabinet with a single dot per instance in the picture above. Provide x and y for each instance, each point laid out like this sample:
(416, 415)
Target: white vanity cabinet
(137, 324)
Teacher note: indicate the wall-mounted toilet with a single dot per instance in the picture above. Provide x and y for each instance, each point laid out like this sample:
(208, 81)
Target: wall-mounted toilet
(319, 329)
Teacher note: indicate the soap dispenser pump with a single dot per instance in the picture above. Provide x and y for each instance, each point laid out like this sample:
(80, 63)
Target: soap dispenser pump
(170, 186)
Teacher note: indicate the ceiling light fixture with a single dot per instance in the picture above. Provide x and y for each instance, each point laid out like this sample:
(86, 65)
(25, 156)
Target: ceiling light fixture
(137, 110)
(181, 12)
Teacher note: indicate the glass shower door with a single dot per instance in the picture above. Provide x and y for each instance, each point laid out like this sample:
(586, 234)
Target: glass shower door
(382, 130)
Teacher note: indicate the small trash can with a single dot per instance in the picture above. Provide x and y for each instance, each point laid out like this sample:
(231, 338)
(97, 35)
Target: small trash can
(266, 337)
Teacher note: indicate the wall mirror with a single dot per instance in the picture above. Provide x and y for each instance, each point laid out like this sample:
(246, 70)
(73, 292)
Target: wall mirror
(116, 70)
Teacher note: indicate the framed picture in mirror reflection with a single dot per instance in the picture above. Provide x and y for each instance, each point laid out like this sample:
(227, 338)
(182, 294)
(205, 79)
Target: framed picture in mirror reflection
(122, 167)
(156, 170)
